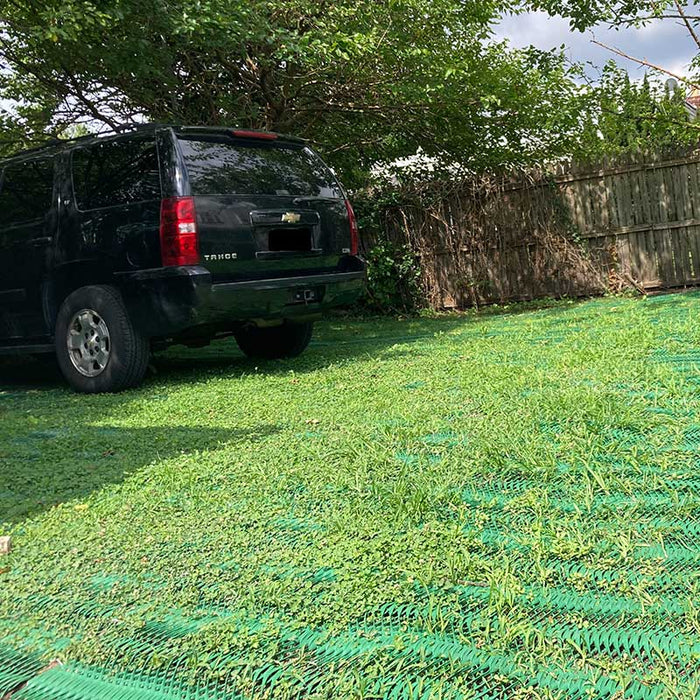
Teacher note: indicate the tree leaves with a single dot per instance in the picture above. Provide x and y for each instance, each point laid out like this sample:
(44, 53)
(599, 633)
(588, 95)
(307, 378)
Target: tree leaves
(365, 81)
(625, 116)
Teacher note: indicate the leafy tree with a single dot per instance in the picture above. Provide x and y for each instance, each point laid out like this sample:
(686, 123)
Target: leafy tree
(630, 116)
(622, 14)
(623, 115)
(365, 80)
(585, 14)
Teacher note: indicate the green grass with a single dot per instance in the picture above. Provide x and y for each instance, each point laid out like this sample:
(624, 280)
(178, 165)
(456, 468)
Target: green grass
(476, 506)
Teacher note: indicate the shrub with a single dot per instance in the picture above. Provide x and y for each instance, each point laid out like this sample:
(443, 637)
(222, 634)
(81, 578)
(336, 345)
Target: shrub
(393, 269)
(393, 279)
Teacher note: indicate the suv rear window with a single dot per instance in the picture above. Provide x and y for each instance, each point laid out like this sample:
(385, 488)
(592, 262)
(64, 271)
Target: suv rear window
(221, 165)
(26, 191)
(116, 172)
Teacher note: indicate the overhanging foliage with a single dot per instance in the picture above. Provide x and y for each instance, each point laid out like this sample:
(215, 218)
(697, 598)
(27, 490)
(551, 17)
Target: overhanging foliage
(366, 81)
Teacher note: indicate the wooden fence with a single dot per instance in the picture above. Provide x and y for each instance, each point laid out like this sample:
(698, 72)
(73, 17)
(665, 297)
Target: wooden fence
(572, 231)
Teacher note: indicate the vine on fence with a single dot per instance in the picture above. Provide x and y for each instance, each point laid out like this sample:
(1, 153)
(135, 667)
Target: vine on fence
(487, 239)
(393, 269)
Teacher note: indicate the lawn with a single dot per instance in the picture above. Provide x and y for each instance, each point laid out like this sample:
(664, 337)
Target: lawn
(477, 506)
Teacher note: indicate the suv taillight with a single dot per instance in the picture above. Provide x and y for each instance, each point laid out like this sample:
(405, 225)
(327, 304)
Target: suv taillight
(354, 232)
(179, 244)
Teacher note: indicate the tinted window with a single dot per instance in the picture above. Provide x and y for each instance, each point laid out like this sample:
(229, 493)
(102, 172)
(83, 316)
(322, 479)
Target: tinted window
(27, 191)
(226, 166)
(116, 172)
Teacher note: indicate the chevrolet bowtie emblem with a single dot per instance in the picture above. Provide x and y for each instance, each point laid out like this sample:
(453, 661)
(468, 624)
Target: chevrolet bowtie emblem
(291, 218)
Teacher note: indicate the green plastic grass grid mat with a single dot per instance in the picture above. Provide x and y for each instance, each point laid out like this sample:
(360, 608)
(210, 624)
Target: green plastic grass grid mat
(593, 610)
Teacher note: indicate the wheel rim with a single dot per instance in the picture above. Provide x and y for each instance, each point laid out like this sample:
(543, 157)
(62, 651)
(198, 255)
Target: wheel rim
(89, 346)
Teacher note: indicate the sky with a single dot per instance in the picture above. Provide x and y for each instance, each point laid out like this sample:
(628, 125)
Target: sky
(664, 43)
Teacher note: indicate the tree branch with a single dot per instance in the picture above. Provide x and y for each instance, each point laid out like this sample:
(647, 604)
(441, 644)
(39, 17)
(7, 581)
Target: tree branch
(686, 21)
(89, 104)
(644, 62)
(629, 21)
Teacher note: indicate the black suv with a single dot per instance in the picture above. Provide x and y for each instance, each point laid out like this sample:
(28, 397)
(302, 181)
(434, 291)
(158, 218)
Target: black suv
(113, 246)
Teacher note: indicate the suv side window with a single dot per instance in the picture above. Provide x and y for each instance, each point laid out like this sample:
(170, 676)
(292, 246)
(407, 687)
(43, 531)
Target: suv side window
(115, 172)
(26, 192)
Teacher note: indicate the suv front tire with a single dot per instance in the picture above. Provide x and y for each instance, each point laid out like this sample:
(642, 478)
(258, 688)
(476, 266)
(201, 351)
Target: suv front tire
(97, 347)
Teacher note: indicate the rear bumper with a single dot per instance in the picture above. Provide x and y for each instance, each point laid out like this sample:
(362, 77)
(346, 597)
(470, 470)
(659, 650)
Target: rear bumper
(168, 302)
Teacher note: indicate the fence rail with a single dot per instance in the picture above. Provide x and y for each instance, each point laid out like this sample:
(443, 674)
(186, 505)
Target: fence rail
(579, 229)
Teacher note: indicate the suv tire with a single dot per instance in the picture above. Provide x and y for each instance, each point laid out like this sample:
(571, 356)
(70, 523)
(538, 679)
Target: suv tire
(287, 340)
(97, 347)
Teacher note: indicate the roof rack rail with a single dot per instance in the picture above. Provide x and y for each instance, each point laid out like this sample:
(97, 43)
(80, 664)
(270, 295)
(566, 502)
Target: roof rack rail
(53, 142)
(47, 144)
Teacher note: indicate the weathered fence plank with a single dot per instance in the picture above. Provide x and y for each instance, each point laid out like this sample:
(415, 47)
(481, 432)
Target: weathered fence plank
(569, 231)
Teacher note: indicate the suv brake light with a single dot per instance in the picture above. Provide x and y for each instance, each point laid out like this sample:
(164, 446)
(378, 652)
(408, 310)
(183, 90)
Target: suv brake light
(179, 239)
(354, 231)
(245, 134)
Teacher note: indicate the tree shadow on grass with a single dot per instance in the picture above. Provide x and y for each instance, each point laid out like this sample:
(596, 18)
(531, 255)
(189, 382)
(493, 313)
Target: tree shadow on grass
(60, 455)
(29, 373)
(336, 339)
(221, 359)
(335, 342)
(43, 467)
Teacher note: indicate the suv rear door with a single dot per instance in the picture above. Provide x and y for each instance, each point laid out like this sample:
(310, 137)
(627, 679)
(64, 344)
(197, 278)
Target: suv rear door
(26, 242)
(111, 214)
(266, 206)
